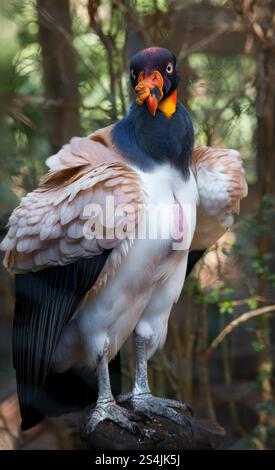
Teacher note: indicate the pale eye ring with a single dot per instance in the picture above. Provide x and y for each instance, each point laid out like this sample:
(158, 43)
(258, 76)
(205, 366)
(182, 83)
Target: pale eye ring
(169, 68)
(133, 74)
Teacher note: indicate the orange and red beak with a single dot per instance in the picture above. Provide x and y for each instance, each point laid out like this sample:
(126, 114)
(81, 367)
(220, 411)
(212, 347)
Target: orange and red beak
(149, 89)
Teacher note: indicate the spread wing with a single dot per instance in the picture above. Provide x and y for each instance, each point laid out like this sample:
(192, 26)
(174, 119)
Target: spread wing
(54, 261)
(221, 185)
(53, 225)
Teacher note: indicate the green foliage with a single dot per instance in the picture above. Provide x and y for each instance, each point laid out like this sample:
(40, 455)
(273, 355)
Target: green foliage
(255, 227)
(226, 307)
(24, 142)
(252, 303)
(257, 345)
(222, 104)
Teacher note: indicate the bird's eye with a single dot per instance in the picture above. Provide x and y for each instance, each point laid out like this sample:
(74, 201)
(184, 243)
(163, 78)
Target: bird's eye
(169, 68)
(133, 74)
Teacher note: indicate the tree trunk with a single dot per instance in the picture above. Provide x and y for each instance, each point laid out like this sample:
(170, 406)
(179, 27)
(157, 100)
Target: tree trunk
(260, 14)
(266, 120)
(59, 70)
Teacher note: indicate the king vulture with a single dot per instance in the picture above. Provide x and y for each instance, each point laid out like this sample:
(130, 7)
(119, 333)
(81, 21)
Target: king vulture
(81, 293)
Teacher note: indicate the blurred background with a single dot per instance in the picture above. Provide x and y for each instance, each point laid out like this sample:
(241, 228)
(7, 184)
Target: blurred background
(64, 72)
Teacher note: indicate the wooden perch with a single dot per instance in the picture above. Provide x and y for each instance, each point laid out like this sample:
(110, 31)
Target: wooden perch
(166, 435)
(64, 433)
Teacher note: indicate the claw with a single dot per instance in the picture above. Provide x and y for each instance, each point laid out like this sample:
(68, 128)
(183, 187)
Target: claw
(190, 409)
(176, 417)
(177, 404)
(115, 413)
(144, 414)
(140, 434)
(188, 423)
(146, 404)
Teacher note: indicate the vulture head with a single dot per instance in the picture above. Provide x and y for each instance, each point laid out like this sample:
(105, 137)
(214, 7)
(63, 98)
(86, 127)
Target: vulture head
(154, 77)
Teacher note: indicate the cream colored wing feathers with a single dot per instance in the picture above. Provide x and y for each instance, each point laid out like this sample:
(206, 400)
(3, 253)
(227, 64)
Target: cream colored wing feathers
(56, 224)
(221, 185)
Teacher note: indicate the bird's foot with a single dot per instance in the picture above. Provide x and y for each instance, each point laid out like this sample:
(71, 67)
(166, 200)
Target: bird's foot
(145, 404)
(113, 412)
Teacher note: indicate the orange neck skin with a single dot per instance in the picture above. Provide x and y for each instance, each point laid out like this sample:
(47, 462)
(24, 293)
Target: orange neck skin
(168, 105)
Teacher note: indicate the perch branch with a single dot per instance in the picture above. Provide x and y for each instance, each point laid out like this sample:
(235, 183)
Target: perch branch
(232, 325)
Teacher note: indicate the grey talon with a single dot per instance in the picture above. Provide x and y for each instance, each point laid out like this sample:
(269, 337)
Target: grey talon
(106, 407)
(141, 399)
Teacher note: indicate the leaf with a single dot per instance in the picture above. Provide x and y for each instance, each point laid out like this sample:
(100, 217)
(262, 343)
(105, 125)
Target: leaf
(226, 307)
(257, 345)
(252, 303)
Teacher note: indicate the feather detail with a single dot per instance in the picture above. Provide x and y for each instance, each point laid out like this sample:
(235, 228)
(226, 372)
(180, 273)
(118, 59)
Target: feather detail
(221, 184)
(92, 151)
(49, 228)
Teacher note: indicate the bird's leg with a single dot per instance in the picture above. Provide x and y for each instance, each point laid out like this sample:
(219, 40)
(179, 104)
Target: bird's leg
(106, 406)
(141, 397)
(141, 385)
